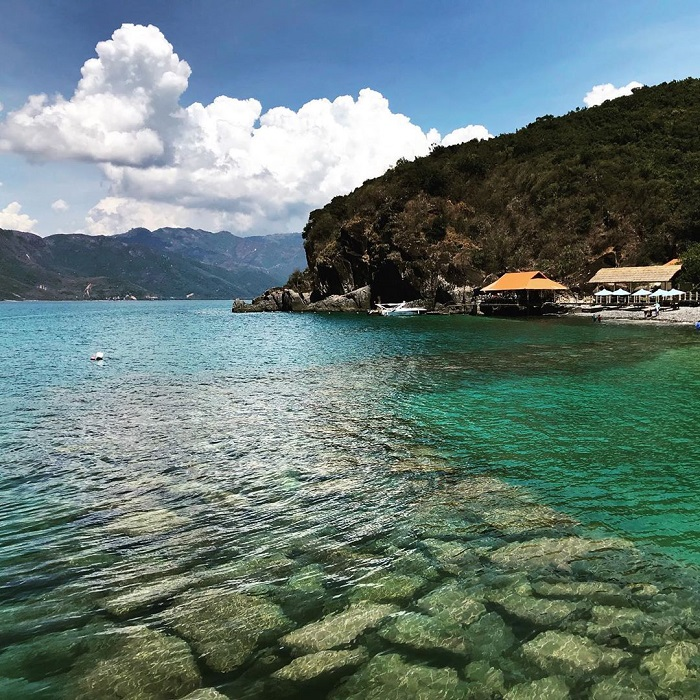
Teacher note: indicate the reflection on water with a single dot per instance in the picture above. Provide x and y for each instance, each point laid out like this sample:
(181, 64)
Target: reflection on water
(318, 507)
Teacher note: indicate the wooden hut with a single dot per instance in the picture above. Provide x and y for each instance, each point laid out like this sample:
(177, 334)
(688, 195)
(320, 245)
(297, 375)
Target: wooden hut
(520, 293)
(637, 277)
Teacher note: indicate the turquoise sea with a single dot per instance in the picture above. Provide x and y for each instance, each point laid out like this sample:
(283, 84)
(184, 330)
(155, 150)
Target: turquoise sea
(345, 506)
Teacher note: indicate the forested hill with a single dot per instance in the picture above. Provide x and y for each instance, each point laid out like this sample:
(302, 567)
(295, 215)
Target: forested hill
(164, 263)
(613, 184)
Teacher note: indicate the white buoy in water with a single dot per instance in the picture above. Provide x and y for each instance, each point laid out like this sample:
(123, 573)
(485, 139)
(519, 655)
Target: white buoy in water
(98, 356)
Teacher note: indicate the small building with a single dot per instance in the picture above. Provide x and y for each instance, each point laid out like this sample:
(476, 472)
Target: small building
(637, 277)
(520, 293)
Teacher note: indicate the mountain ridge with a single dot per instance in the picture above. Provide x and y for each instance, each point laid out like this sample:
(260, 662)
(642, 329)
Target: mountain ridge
(164, 263)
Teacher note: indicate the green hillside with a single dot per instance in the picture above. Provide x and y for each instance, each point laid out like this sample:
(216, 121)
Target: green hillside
(613, 184)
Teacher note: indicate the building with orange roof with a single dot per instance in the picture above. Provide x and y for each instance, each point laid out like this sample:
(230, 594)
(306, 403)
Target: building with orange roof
(520, 293)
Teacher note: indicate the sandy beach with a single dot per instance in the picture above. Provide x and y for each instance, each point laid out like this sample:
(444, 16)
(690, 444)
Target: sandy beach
(685, 315)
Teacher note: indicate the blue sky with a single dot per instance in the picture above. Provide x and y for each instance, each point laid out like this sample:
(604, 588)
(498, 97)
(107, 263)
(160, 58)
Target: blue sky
(127, 149)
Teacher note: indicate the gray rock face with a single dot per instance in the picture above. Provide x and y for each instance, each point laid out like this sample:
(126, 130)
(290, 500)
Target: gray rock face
(425, 633)
(225, 627)
(568, 654)
(389, 677)
(286, 299)
(322, 664)
(147, 665)
(356, 300)
(338, 629)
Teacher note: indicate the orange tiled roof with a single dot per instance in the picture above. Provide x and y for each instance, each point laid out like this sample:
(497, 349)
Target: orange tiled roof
(519, 281)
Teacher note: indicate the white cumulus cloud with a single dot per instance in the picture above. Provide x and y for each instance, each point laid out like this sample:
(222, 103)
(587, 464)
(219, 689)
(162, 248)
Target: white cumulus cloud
(60, 205)
(12, 218)
(466, 133)
(600, 93)
(227, 164)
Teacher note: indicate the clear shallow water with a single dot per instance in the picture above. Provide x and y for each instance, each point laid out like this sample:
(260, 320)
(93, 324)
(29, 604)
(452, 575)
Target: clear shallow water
(221, 455)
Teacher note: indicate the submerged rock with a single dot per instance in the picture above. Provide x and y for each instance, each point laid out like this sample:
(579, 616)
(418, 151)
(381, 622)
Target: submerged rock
(389, 677)
(565, 653)
(549, 551)
(538, 612)
(205, 694)
(451, 557)
(145, 665)
(489, 637)
(321, 665)
(225, 627)
(386, 587)
(485, 681)
(425, 633)
(599, 592)
(453, 602)
(145, 596)
(337, 629)
(148, 522)
(624, 685)
(676, 668)
(552, 688)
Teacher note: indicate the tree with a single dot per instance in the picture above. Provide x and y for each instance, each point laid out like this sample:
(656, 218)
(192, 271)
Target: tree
(690, 275)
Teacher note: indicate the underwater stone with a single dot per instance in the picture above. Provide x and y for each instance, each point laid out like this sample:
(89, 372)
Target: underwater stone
(310, 579)
(451, 557)
(568, 654)
(453, 602)
(386, 587)
(539, 612)
(146, 665)
(389, 677)
(675, 667)
(425, 633)
(624, 685)
(640, 629)
(125, 604)
(321, 664)
(552, 688)
(337, 629)
(489, 637)
(549, 551)
(225, 627)
(248, 568)
(490, 681)
(205, 694)
(598, 592)
(413, 563)
(149, 522)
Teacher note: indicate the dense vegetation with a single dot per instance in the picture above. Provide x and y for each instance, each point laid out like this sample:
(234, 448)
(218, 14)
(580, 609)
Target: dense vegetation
(163, 263)
(617, 184)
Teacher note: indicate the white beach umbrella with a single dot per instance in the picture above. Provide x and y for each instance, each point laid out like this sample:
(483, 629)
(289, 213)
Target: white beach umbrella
(659, 293)
(603, 293)
(620, 293)
(641, 293)
(675, 293)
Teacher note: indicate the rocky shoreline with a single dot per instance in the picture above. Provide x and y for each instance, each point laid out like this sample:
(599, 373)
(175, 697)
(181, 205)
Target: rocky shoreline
(480, 594)
(687, 315)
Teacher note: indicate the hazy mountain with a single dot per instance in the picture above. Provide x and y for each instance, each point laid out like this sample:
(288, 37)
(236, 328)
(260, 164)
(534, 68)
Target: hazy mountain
(164, 263)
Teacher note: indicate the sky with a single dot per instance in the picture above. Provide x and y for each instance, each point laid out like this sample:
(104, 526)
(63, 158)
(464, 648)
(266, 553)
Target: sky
(245, 116)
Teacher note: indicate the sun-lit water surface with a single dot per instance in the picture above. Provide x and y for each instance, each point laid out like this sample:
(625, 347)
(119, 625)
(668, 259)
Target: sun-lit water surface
(213, 451)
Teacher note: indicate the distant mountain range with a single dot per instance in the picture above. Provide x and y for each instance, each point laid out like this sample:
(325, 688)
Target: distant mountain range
(166, 263)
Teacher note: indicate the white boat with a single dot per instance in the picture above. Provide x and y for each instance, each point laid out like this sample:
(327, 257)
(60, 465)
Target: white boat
(401, 309)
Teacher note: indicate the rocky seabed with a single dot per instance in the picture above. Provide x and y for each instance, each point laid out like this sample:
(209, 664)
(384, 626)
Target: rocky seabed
(480, 593)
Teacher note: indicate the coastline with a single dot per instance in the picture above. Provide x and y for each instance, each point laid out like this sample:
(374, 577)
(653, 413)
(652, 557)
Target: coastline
(685, 315)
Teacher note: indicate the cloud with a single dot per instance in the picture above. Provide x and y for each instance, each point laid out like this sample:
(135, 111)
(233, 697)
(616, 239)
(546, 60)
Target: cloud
(466, 133)
(60, 205)
(11, 218)
(227, 164)
(600, 93)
